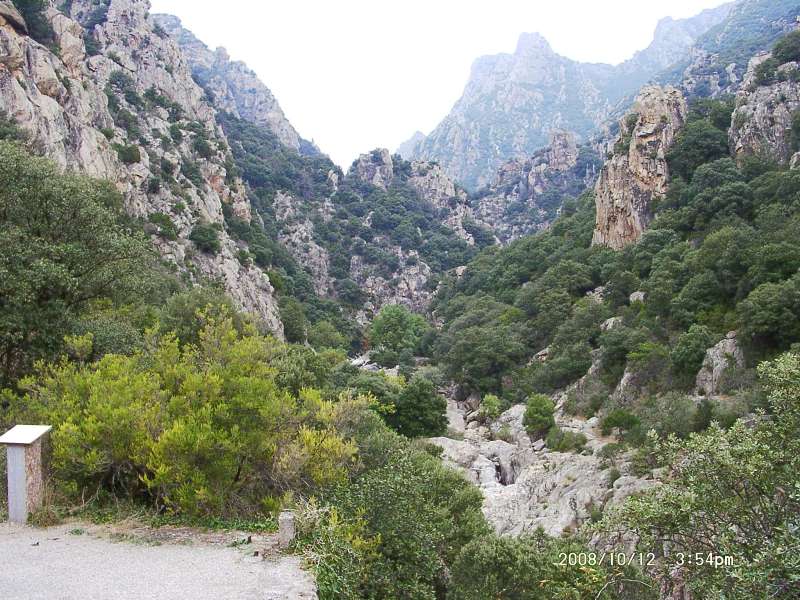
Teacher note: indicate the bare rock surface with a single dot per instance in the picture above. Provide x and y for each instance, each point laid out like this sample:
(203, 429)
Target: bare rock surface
(762, 121)
(85, 562)
(526, 485)
(637, 172)
(134, 92)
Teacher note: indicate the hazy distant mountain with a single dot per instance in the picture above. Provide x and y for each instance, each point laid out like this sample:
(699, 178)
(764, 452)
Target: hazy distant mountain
(513, 102)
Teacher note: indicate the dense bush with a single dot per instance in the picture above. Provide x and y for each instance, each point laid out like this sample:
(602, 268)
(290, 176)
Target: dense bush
(745, 478)
(191, 428)
(538, 417)
(63, 245)
(206, 237)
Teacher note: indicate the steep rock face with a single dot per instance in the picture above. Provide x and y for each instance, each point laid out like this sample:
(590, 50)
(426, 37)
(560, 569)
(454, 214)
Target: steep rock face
(235, 88)
(432, 183)
(133, 97)
(527, 194)
(762, 121)
(637, 171)
(513, 102)
(297, 234)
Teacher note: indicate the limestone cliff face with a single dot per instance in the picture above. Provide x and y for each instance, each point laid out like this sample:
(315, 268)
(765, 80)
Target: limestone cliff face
(762, 121)
(527, 194)
(637, 171)
(132, 96)
(235, 88)
(513, 102)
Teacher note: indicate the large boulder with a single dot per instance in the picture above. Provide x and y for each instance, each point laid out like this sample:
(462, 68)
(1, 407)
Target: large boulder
(725, 355)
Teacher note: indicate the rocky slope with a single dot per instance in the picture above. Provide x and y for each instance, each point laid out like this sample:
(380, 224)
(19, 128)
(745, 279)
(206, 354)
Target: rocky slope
(118, 102)
(232, 85)
(527, 194)
(717, 62)
(525, 484)
(513, 102)
(637, 171)
(763, 123)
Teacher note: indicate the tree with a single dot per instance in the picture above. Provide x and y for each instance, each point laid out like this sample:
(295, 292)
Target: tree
(538, 417)
(294, 320)
(730, 493)
(396, 330)
(64, 243)
(206, 237)
(419, 410)
(699, 142)
(787, 49)
(325, 335)
(689, 351)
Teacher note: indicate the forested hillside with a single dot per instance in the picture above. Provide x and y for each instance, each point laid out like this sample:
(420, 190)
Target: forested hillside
(457, 395)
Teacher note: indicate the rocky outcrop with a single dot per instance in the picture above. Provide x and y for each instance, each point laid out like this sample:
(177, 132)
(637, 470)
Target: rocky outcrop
(375, 168)
(234, 87)
(526, 485)
(762, 121)
(297, 234)
(132, 97)
(526, 195)
(11, 17)
(720, 359)
(718, 60)
(513, 102)
(637, 171)
(431, 182)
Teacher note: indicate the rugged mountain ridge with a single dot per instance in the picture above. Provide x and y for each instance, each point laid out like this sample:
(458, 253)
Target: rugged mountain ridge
(513, 102)
(118, 102)
(526, 195)
(232, 85)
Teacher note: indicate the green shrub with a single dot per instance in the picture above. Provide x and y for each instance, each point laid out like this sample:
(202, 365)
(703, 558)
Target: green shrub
(528, 568)
(166, 227)
(170, 424)
(619, 418)
(538, 418)
(560, 440)
(419, 410)
(128, 154)
(206, 237)
(787, 49)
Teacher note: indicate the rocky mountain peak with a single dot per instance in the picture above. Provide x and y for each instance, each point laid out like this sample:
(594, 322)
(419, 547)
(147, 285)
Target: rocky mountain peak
(513, 102)
(532, 43)
(637, 171)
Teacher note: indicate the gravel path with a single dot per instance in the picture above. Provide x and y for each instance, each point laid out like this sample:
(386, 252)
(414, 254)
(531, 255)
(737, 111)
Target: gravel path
(71, 562)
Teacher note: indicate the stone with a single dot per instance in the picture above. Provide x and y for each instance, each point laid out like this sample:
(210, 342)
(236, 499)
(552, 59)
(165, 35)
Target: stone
(286, 529)
(636, 297)
(637, 173)
(761, 124)
(9, 15)
(725, 355)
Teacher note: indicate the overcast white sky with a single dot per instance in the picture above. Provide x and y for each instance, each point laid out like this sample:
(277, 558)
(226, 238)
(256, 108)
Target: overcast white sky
(354, 75)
